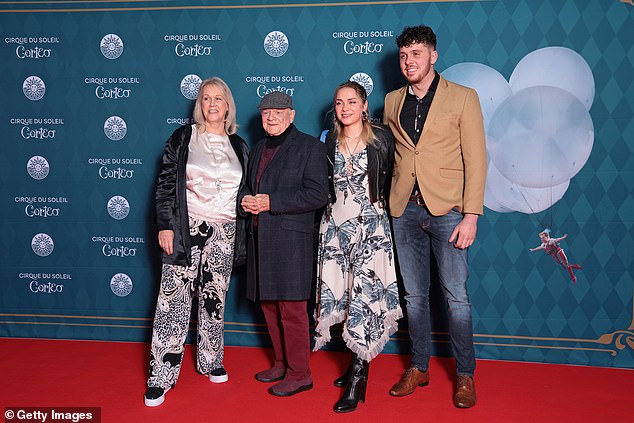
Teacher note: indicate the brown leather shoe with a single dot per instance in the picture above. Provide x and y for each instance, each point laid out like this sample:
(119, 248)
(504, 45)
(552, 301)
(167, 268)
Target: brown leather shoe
(465, 395)
(409, 381)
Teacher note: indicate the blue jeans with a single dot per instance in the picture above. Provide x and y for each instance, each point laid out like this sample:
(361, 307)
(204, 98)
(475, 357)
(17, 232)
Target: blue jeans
(416, 234)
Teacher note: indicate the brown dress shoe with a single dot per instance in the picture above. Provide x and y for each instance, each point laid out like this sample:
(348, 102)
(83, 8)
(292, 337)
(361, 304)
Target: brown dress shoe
(409, 381)
(465, 396)
(271, 375)
(289, 387)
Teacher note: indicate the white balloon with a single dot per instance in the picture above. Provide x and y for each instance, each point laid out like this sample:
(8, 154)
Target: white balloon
(490, 85)
(558, 67)
(540, 137)
(491, 200)
(506, 195)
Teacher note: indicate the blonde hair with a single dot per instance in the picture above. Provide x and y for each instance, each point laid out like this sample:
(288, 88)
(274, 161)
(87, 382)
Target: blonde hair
(231, 126)
(367, 133)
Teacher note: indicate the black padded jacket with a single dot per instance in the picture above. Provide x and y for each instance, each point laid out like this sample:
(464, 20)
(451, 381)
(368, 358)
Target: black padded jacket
(171, 197)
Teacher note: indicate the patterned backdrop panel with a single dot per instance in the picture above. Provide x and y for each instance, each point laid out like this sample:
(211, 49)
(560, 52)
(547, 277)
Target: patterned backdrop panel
(91, 90)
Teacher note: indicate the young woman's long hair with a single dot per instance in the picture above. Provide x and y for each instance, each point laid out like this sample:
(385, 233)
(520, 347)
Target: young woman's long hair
(367, 134)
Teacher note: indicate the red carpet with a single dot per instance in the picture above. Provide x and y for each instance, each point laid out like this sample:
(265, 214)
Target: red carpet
(111, 375)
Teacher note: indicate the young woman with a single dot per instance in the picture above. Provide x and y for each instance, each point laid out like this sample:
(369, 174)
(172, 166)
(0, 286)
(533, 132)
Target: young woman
(356, 271)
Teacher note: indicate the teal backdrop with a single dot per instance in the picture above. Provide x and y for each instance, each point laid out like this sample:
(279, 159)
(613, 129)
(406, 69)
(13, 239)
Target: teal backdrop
(90, 91)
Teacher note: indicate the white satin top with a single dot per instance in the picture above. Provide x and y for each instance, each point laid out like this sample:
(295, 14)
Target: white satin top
(213, 177)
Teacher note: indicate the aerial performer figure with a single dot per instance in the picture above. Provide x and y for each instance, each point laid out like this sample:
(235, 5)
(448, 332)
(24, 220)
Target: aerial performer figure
(551, 245)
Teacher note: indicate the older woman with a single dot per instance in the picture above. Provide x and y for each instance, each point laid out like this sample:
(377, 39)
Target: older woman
(356, 271)
(196, 198)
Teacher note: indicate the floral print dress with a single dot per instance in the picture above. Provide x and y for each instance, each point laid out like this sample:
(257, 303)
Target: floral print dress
(356, 272)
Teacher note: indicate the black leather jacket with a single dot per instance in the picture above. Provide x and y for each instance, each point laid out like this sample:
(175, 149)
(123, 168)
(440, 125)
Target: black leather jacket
(171, 197)
(380, 164)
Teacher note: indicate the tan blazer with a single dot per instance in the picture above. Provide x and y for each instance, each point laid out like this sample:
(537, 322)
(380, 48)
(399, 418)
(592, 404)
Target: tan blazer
(449, 162)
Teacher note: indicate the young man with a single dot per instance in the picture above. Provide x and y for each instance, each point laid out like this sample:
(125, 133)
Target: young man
(436, 197)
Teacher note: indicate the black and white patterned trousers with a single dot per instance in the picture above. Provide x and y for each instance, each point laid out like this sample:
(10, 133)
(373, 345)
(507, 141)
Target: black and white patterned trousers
(208, 277)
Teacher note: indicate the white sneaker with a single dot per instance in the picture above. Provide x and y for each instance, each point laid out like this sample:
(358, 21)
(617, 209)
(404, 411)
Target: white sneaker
(154, 396)
(218, 375)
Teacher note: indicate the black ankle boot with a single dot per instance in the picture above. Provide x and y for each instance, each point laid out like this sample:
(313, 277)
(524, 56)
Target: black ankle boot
(356, 385)
(342, 380)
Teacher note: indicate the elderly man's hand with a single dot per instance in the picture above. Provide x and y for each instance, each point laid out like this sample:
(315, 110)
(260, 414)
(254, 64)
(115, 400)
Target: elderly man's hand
(264, 202)
(250, 204)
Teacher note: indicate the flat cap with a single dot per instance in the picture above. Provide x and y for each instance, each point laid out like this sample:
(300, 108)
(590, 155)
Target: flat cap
(276, 100)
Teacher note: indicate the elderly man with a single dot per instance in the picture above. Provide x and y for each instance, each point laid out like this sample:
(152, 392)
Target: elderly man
(436, 198)
(287, 182)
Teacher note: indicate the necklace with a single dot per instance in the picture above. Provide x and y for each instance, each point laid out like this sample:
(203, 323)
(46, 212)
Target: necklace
(216, 146)
(349, 164)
